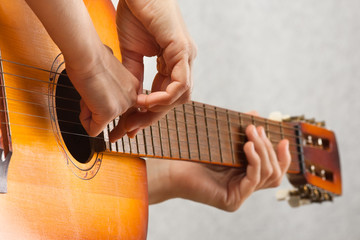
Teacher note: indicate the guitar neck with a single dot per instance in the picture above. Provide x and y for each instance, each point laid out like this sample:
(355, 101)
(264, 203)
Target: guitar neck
(202, 133)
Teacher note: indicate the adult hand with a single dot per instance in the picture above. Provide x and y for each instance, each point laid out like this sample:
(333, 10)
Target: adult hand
(107, 88)
(221, 187)
(154, 28)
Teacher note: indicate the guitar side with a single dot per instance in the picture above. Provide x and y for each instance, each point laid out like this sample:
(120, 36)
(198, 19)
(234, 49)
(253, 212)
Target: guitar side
(45, 198)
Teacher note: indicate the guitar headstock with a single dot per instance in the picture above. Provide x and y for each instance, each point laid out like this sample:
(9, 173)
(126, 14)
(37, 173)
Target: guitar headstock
(319, 178)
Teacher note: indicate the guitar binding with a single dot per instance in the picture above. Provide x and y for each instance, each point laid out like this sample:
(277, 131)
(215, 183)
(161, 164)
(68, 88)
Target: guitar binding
(5, 134)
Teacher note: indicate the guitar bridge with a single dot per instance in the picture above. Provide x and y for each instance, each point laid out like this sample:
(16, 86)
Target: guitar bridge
(5, 135)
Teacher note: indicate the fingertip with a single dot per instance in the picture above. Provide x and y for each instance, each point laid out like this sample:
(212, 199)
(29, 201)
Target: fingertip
(116, 134)
(249, 147)
(133, 133)
(251, 155)
(251, 131)
(283, 152)
(141, 100)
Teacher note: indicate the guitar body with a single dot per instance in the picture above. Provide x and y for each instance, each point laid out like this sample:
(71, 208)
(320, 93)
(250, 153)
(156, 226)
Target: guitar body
(49, 194)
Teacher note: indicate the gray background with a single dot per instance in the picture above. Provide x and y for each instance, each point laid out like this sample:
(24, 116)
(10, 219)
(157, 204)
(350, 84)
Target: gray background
(298, 57)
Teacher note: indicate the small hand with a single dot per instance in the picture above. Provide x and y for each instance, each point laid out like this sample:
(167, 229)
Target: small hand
(154, 28)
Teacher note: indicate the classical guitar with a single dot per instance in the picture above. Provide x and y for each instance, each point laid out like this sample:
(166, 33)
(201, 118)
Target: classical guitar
(57, 183)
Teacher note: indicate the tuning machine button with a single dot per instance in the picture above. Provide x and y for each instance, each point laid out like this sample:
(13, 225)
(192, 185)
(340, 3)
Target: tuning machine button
(303, 195)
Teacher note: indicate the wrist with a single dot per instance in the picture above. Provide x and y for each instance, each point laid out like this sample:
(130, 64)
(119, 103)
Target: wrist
(85, 59)
(159, 180)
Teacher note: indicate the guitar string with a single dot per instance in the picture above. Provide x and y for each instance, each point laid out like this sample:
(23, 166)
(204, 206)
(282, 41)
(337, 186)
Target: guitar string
(293, 161)
(252, 118)
(272, 140)
(243, 116)
(285, 135)
(39, 80)
(152, 136)
(190, 125)
(181, 112)
(32, 67)
(62, 74)
(71, 87)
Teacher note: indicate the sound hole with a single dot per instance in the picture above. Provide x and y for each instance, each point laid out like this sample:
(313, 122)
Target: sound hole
(78, 143)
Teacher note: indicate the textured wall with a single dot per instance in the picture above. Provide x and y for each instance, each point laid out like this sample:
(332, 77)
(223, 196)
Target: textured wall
(299, 57)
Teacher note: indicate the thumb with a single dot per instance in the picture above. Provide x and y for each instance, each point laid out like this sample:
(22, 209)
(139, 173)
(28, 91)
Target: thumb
(87, 120)
(85, 116)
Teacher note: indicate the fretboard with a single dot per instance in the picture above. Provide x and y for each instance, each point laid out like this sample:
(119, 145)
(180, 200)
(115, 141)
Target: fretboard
(202, 133)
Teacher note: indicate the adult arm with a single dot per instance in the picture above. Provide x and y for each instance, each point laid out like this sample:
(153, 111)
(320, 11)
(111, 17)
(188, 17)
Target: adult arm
(107, 88)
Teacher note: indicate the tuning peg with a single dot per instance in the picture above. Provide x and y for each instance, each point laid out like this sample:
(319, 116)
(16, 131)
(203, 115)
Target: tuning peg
(302, 118)
(295, 119)
(320, 124)
(303, 195)
(278, 116)
(293, 197)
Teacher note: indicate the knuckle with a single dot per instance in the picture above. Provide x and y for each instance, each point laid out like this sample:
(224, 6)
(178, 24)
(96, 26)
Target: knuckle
(267, 172)
(277, 182)
(187, 97)
(256, 180)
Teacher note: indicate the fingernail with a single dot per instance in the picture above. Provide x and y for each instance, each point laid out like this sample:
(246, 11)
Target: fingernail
(133, 133)
(262, 132)
(254, 131)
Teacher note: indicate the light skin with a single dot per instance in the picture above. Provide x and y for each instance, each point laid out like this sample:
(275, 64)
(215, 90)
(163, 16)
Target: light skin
(221, 187)
(110, 88)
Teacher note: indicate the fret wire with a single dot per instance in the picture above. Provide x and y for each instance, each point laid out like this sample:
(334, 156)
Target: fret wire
(207, 133)
(218, 134)
(281, 130)
(130, 144)
(267, 129)
(209, 107)
(196, 130)
(123, 143)
(252, 119)
(241, 134)
(145, 144)
(186, 131)
(107, 133)
(295, 136)
(152, 140)
(236, 142)
(238, 152)
(272, 132)
(129, 141)
(177, 132)
(116, 144)
(137, 143)
(39, 69)
(69, 133)
(109, 130)
(233, 113)
(168, 132)
(161, 146)
(230, 137)
(258, 120)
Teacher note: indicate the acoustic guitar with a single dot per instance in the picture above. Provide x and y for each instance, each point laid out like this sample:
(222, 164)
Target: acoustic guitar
(57, 183)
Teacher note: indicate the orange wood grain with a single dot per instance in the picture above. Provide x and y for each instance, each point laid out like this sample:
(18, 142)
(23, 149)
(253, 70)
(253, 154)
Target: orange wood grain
(324, 159)
(45, 199)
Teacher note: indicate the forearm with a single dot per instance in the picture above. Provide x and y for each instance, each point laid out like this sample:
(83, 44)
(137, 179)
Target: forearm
(159, 186)
(69, 25)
